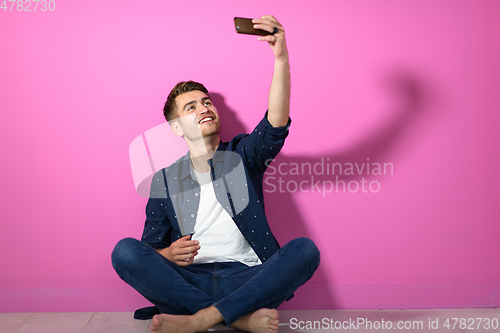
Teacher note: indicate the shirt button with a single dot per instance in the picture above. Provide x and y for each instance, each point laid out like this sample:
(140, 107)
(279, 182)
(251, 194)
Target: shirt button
(192, 215)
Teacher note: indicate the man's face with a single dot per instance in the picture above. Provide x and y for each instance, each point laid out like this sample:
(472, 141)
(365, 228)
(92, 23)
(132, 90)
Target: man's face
(198, 117)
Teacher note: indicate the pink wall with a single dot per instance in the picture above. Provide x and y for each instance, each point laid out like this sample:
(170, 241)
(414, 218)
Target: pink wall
(411, 83)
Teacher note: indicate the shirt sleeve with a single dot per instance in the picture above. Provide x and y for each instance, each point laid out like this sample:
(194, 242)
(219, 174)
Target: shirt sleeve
(262, 145)
(157, 229)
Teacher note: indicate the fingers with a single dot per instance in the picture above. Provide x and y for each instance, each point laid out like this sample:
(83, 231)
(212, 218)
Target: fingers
(184, 242)
(268, 19)
(268, 23)
(184, 250)
(270, 38)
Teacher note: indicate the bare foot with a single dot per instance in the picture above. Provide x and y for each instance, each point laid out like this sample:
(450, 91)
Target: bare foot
(260, 321)
(165, 323)
(199, 322)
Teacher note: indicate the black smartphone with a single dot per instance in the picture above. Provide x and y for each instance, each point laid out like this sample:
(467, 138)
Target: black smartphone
(245, 26)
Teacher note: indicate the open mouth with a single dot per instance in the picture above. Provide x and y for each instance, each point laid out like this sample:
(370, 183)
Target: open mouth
(206, 119)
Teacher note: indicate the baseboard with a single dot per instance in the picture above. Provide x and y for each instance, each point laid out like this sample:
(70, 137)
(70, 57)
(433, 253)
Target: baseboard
(421, 295)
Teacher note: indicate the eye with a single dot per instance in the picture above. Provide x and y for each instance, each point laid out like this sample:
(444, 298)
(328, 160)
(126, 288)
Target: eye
(191, 108)
(208, 103)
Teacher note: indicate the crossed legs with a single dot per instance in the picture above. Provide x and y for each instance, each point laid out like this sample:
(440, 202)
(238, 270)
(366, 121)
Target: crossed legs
(244, 297)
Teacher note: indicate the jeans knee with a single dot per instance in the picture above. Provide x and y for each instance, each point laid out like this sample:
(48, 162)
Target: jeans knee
(307, 251)
(123, 253)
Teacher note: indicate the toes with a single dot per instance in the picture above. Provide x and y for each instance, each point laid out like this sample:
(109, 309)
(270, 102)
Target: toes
(274, 314)
(155, 324)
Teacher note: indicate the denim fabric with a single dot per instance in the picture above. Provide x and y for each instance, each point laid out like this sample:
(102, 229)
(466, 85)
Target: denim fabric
(232, 287)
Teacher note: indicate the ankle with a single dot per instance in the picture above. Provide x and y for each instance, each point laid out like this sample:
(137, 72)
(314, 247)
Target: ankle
(206, 318)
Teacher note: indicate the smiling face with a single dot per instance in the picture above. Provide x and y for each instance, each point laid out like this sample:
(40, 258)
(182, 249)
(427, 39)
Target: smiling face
(197, 116)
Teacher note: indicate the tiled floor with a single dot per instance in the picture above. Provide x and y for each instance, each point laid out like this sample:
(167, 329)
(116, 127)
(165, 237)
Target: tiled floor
(426, 320)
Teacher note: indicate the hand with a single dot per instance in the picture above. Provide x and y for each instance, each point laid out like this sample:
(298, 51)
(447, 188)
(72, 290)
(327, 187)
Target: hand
(182, 251)
(277, 41)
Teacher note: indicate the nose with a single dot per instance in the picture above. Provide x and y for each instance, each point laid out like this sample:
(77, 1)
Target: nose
(204, 109)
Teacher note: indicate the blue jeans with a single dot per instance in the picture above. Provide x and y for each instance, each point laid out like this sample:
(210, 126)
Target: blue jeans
(232, 287)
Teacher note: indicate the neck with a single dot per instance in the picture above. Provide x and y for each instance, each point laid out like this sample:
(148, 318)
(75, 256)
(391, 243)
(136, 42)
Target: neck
(201, 151)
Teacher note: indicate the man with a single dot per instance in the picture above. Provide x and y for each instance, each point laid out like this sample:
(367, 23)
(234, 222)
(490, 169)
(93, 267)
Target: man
(207, 254)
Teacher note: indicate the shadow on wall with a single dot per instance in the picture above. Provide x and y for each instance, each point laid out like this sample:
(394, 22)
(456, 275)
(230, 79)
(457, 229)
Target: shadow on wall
(410, 96)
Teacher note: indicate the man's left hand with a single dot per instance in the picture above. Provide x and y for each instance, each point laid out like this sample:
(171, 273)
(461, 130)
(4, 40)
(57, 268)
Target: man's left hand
(277, 41)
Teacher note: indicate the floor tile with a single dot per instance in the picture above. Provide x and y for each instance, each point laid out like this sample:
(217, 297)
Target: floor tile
(120, 322)
(54, 322)
(10, 322)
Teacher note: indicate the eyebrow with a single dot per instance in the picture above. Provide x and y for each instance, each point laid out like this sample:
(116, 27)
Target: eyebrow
(203, 99)
(188, 104)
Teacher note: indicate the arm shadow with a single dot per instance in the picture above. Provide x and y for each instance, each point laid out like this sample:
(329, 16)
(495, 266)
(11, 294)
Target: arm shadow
(411, 95)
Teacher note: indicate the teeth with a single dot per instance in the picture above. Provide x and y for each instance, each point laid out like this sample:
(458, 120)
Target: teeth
(206, 119)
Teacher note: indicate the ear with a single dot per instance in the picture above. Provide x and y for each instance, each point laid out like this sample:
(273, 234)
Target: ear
(175, 127)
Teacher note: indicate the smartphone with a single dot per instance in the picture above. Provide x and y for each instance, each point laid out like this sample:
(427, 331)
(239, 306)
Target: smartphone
(245, 26)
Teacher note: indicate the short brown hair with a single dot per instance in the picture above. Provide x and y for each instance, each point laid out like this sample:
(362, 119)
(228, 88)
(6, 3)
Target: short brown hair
(179, 89)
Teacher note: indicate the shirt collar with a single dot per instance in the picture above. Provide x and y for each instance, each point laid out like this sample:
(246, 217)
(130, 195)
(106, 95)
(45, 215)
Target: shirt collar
(185, 162)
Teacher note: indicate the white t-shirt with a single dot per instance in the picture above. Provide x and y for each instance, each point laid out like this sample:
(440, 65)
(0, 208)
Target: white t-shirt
(219, 237)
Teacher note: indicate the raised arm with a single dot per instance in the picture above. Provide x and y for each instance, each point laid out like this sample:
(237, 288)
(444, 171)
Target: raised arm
(279, 93)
